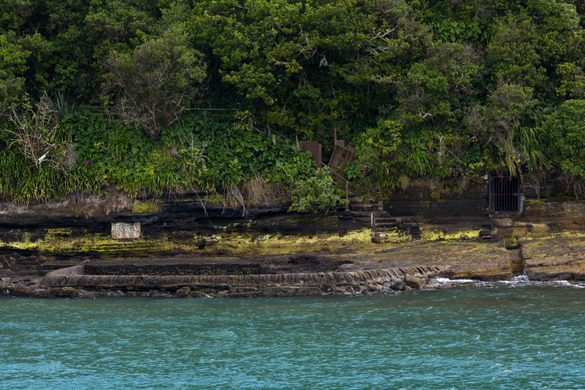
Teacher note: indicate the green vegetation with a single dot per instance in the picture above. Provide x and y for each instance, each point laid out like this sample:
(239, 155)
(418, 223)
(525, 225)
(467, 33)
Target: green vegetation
(158, 97)
(565, 129)
(232, 244)
(315, 193)
(196, 155)
(144, 207)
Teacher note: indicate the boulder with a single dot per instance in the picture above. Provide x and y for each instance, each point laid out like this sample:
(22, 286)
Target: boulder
(415, 281)
(183, 292)
(398, 285)
(485, 234)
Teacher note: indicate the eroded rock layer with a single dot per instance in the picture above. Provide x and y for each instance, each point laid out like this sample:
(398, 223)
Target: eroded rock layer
(73, 281)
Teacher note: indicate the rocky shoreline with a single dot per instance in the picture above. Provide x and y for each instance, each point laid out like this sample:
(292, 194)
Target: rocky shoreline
(185, 251)
(75, 281)
(544, 261)
(392, 281)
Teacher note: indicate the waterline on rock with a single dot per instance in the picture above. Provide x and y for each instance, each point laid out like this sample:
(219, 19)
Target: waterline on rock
(517, 281)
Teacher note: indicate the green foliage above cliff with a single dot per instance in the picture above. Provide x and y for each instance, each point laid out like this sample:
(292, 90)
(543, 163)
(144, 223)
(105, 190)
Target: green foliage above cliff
(153, 82)
(440, 90)
(565, 133)
(195, 154)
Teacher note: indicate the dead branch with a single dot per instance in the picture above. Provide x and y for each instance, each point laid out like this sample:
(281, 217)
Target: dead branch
(34, 132)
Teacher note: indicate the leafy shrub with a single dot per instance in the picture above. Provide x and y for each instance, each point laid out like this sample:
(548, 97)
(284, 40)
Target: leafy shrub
(156, 80)
(374, 160)
(195, 154)
(565, 133)
(315, 193)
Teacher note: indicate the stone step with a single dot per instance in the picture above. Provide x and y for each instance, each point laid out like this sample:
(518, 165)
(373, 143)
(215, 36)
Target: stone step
(388, 220)
(389, 227)
(367, 215)
(368, 207)
(365, 212)
(387, 224)
(378, 213)
(378, 220)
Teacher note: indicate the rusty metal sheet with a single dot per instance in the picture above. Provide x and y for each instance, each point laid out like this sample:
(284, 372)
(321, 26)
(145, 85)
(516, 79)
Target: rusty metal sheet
(316, 150)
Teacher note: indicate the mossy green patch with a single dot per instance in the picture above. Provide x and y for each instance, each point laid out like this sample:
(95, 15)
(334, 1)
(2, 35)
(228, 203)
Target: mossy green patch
(250, 245)
(438, 234)
(59, 232)
(535, 204)
(145, 207)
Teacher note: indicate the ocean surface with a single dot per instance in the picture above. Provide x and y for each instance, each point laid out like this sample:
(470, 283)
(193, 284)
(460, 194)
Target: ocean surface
(468, 338)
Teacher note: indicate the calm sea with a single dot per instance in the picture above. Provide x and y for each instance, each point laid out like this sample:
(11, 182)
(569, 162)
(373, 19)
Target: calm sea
(521, 338)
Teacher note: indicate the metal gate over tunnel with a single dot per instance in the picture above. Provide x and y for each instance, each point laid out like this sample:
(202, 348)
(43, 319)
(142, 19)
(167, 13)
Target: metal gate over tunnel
(504, 194)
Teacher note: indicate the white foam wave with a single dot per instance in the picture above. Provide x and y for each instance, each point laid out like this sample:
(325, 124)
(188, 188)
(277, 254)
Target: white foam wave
(566, 283)
(518, 281)
(454, 281)
(521, 279)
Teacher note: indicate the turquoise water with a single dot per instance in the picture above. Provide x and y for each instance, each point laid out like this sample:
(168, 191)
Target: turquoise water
(465, 338)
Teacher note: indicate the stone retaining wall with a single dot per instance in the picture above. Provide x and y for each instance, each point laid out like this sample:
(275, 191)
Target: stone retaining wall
(562, 214)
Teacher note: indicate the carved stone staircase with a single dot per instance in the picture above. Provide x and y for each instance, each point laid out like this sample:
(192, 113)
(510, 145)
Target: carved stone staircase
(380, 221)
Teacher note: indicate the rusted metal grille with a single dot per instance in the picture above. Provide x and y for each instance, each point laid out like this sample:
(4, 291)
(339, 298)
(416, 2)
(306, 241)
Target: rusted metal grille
(504, 194)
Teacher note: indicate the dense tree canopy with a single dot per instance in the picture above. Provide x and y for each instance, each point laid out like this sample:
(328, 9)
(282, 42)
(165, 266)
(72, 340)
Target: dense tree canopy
(444, 90)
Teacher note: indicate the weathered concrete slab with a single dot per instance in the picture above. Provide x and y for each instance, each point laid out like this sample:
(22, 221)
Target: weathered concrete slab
(126, 231)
